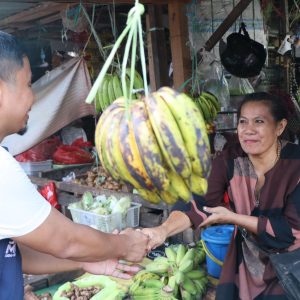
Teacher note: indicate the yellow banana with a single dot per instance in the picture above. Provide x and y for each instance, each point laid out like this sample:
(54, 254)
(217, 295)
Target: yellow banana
(150, 196)
(198, 185)
(148, 146)
(179, 185)
(192, 127)
(168, 135)
(101, 134)
(168, 197)
(131, 154)
(113, 147)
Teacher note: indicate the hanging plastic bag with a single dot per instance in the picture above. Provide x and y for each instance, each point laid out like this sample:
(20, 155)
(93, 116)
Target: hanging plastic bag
(243, 57)
(239, 86)
(214, 81)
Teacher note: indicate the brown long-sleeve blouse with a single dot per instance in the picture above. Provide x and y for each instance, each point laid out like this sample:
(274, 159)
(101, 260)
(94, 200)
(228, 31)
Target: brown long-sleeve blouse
(247, 273)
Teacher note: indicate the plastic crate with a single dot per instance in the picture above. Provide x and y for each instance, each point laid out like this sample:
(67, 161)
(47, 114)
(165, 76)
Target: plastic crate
(34, 167)
(107, 223)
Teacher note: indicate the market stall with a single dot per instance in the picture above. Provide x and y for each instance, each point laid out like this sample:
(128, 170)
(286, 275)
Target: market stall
(130, 171)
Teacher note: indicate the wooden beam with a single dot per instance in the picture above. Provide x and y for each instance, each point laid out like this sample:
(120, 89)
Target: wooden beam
(226, 24)
(156, 46)
(36, 12)
(181, 58)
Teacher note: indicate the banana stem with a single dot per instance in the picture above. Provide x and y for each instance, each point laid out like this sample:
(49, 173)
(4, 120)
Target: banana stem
(142, 53)
(133, 61)
(124, 63)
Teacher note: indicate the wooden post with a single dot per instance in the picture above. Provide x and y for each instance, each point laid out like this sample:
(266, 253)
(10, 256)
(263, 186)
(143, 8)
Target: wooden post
(225, 25)
(181, 58)
(157, 52)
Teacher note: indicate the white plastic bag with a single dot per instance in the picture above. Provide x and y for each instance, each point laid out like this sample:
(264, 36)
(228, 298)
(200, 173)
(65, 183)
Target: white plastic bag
(239, 86)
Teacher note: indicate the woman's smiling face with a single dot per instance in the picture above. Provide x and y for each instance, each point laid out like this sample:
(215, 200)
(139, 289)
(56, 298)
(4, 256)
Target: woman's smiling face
(257, 129)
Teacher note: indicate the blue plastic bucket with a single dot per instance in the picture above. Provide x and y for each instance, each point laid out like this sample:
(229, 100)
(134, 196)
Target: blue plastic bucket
(216, 240)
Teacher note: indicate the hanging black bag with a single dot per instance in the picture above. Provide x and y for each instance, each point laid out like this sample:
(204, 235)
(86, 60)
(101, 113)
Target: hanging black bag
(243, 57)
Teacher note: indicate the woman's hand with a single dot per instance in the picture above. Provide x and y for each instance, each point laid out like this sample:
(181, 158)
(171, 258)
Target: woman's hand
(157, 235)
(111, 267)
(219, 215)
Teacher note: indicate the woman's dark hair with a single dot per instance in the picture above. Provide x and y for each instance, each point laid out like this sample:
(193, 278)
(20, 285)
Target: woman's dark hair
(11, 57)
(276, 105)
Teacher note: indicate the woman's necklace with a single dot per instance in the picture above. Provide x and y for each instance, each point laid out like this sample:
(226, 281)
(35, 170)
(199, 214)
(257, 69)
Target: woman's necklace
(259, 186)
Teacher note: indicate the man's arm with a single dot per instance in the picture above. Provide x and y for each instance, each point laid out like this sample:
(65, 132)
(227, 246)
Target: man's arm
(34, 262)
(60, 237)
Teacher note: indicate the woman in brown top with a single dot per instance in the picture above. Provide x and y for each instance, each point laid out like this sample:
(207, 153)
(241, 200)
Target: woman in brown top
(261, 176)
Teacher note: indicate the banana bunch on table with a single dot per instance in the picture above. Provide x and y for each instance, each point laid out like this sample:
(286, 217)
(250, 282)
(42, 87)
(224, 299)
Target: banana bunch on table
(111, 89)
(176, 276)
(158, 144)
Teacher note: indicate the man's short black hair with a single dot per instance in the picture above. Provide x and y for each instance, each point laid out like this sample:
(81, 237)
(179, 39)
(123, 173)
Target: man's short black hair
(11, 57)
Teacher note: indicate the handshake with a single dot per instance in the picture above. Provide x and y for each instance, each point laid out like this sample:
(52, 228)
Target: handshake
(140, 241)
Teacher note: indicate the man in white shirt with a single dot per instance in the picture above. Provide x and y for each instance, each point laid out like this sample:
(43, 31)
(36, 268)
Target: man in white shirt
(34, 237)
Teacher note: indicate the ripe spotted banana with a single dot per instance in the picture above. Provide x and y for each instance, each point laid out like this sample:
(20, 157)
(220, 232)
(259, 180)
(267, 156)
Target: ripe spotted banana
(168, 135)
(131, 154)
(148, 146)
(192, 127)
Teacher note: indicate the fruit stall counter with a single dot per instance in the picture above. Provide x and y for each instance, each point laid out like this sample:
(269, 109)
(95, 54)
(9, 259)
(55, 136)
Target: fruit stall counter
(161, 278)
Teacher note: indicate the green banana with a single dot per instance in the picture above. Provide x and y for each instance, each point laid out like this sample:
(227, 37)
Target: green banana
(185, 295)
(143, 275)
(186, 266)
(192, 128)
(189, 255)
(110, 89)
(148, 147)
(117, 86)
(189, 286)
(105, 101)
(181, 250)
(212, 98)
(158, 268)
(179, 277)
(196, 274)
(171, 255)
(153, 283)
(168, 135)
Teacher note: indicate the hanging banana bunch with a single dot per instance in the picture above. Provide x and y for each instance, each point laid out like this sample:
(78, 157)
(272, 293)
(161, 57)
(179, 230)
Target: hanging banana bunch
(157, 143)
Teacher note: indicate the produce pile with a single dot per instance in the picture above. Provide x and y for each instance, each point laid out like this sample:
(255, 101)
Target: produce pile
(176, 276)
(91, 287)
(102, 205)
(99, 178)
(111, 88)
(158, 144)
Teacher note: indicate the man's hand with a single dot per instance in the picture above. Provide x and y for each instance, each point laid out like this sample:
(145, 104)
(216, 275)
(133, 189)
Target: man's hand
(135, 244)
(111, 267)
(219, 215)
(157, 236)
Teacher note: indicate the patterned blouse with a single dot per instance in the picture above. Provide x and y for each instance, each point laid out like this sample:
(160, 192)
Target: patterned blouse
(247, 273)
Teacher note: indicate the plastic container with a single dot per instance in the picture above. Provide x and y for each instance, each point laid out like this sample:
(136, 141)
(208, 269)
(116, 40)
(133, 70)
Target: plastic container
(107, 223)
(34, 167)
(216, 239)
